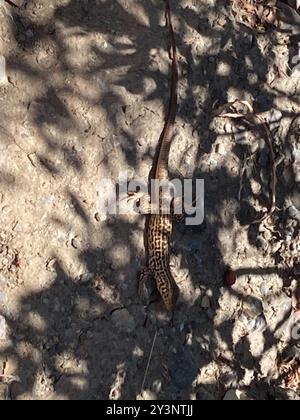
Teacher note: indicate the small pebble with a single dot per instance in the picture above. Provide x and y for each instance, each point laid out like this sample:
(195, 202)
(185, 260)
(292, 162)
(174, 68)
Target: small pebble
(205, 303)
(255, 187)
(293, 212)
(221, 149)
(86, 278)
(289, 233)
(264, 290)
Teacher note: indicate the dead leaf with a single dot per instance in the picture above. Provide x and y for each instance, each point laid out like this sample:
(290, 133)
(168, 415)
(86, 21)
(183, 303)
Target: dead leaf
(257, 16)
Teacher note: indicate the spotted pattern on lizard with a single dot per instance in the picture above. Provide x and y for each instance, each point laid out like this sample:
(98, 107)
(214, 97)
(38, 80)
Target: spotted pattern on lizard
(160, 226)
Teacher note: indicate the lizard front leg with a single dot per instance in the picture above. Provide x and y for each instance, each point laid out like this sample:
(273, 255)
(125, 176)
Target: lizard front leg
(141, 202)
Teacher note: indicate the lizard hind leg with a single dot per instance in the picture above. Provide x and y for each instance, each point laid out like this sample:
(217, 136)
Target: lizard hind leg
(168, 289)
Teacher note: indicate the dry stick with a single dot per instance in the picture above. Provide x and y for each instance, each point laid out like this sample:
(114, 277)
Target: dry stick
(243, 170)
(12, 3)
(149, 361)
(275, 162)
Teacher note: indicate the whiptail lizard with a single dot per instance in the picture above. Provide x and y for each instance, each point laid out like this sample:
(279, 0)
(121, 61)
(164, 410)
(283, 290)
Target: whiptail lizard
(160, 226)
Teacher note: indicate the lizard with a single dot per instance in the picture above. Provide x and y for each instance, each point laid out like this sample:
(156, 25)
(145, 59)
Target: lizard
(159, 228)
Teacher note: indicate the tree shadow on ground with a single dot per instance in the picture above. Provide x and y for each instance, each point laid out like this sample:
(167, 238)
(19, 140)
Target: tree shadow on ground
(89, 337)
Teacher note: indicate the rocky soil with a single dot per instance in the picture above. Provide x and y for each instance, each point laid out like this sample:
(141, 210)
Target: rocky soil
(84, 97)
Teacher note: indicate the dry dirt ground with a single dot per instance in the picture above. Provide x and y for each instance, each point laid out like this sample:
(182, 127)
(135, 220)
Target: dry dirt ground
(86, 97)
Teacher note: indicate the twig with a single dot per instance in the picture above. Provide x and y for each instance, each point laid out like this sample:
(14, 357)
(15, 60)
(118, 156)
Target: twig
(275, 162)
(6, 8)
(242, 173)
(219, 111)
(12, 3)
(149, 361)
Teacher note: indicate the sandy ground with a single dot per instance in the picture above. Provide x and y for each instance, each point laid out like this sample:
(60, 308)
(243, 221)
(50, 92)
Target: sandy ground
(86, 97)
